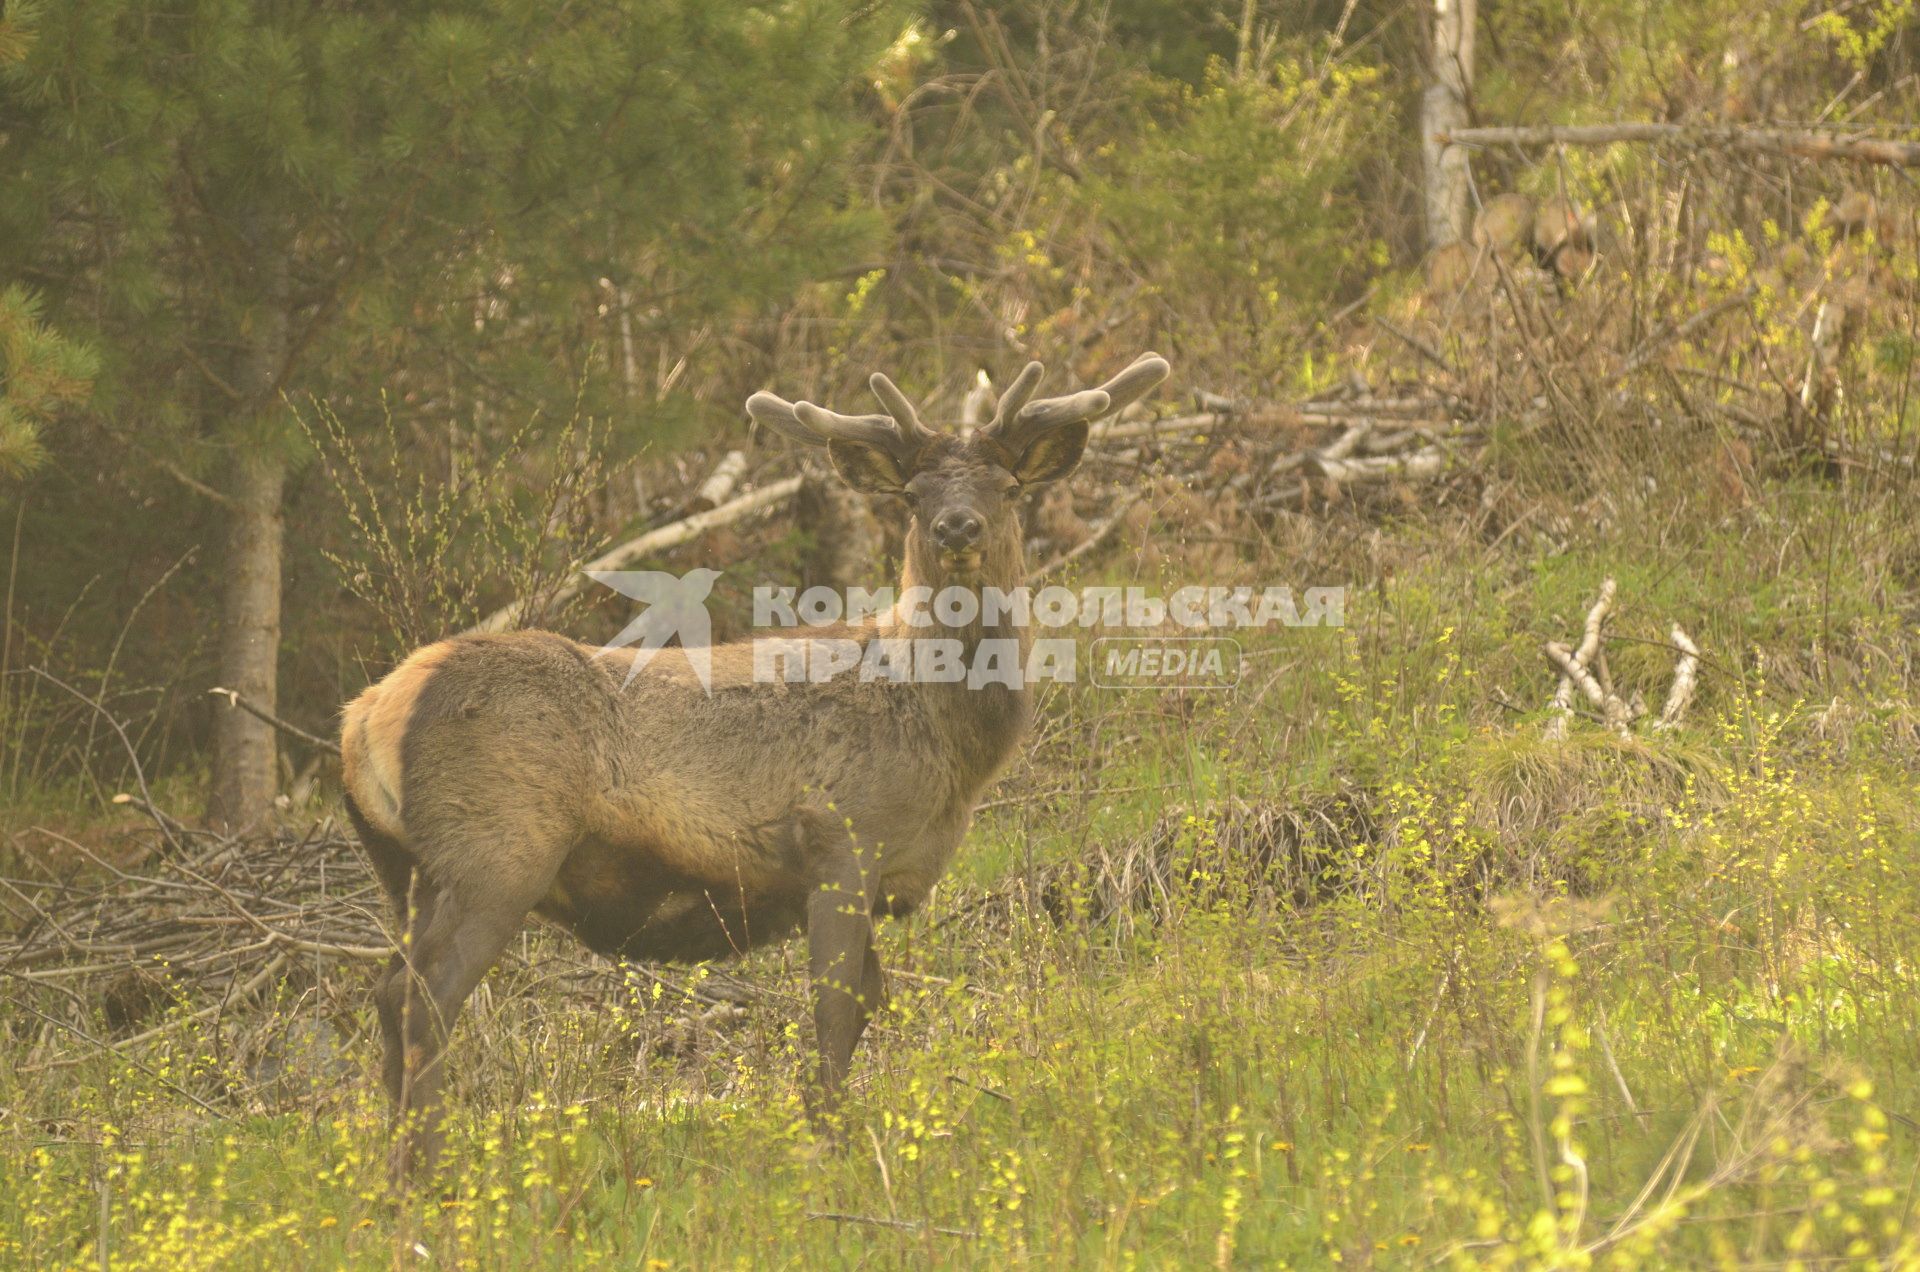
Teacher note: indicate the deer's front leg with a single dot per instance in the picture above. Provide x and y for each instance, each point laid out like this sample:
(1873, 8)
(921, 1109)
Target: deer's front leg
(844, 970)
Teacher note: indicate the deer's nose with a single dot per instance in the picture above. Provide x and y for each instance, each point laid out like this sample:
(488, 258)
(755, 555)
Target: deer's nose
(957, 529)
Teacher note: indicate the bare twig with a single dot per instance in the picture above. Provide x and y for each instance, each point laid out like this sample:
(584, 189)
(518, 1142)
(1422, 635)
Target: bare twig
(236, 699)
(133, 759)
(1418, 466)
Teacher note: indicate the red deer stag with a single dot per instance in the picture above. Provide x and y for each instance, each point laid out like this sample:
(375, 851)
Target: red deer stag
(657, 818)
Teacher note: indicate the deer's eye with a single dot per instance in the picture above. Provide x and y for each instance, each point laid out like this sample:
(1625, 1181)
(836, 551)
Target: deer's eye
(912, 500)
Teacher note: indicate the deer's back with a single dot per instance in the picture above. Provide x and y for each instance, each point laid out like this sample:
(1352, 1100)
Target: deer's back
(530, 734)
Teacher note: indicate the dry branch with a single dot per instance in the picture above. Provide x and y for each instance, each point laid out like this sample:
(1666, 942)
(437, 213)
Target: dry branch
(652, 542)
(1222, 412)
(1589, 646)
(1824, 349)
(1201, 422)
(1616, 712)
(1417, 466)
(219, 925)
(1402, 408)
(108, 1049)
(1798, 143)
(236, 699)
(168, 827)
(1340, 447)
(1686, 674)
(720, 483)
(1585, 669)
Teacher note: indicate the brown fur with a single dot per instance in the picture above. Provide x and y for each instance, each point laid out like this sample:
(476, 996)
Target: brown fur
(371, 730)
(493, 776)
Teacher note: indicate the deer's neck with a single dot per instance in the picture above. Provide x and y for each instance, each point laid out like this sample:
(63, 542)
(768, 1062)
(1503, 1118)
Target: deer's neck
(989, 616)
(983, 715)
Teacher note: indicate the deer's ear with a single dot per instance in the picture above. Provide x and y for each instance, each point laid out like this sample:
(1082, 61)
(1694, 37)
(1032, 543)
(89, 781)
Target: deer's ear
(1053, 455)
(868, 469)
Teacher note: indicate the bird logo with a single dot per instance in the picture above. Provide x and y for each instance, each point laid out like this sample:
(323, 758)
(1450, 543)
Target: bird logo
(676, 606)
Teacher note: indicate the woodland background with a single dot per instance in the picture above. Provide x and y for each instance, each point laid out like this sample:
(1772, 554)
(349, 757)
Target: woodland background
(472, 235)
(328, 329)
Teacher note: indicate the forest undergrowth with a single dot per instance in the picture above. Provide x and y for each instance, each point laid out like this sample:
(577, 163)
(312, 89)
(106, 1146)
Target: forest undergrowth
(1352, 964)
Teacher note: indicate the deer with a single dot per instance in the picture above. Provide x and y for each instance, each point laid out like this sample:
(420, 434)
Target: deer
(655, 817)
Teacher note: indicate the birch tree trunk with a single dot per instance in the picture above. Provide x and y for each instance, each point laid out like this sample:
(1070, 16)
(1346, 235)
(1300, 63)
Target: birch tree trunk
(1443, 109)
(246, 755)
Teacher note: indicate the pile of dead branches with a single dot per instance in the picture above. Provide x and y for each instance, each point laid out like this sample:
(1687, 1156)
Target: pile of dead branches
(209, 921)
(210, 926)
(1287, 454)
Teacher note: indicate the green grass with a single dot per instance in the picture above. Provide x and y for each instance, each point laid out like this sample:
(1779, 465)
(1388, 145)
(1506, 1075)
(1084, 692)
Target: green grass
(1645, 1003)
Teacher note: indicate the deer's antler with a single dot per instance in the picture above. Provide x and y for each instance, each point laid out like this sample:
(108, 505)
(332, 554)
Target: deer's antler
(1018, 419)
(899, 432)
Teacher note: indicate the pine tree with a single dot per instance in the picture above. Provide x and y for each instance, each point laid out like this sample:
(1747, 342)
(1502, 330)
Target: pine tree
(41, 374)
(242, 201)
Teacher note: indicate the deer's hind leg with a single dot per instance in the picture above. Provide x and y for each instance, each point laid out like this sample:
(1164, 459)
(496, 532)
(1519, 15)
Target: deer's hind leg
(454, 933)
(413, 896)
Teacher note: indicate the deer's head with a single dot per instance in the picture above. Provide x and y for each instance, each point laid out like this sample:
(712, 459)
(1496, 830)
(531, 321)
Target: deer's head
(961, 489)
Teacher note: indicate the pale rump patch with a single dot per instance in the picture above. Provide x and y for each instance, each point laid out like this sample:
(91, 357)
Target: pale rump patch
(371, 731)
